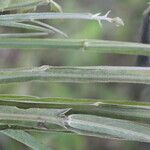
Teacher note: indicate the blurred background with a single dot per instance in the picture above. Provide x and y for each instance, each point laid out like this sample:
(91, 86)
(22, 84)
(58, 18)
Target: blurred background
(131, 11)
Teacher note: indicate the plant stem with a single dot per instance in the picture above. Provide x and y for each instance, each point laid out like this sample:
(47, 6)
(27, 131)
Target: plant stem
(73, 44)
(33, 118)
(48, 15)
(77, 74)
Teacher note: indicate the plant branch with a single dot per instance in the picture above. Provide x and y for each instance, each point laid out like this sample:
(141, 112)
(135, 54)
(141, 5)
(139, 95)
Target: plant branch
(105, 74)
(72, 44)
(47, 15)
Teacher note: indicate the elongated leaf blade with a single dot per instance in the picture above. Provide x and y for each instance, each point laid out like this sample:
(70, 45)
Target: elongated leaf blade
(77, 119)
(134, 111)
(106, 127)
(25, 138)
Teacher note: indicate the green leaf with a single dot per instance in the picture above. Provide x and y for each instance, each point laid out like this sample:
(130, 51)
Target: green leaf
(24, 26)
(43, 27)
(134, 111)
(17, 35)
(106, 127)
(106, 119)
(25, 138)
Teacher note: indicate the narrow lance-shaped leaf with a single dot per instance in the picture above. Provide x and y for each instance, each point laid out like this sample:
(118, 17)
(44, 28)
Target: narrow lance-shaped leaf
(106, 127)
(17, 35)
(91, 125)
(24, 26)
(25, 138)
(134, 111)
(39, 26)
